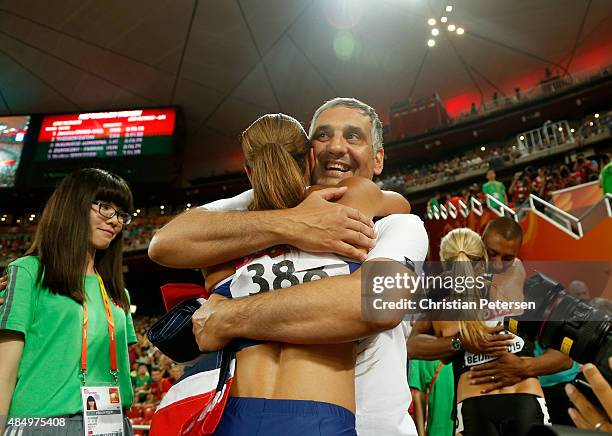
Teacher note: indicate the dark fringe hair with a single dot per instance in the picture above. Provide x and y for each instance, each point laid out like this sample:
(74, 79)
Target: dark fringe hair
(63, 236)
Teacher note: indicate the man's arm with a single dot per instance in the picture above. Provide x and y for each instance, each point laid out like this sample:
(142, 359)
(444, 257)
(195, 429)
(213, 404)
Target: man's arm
(510, 369)
(201, 238)
(423, 345)
(419, 410)
(318, 312)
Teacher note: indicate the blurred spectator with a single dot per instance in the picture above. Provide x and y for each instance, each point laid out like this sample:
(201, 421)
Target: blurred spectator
(176, 372)
(520, 189)
(605, 178)
(159, 385)
(141, 382)
(580, 290)
(434, 201)
(495, 189)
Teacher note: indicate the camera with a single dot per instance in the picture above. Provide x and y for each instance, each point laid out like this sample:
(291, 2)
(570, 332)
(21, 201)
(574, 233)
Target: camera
(565, 323)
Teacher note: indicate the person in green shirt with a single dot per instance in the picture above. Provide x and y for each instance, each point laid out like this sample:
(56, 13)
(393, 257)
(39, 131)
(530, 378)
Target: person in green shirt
(141, 382)
(605, 178)
(435, 386)
(434, 201)
(495, 189)
(77, 246)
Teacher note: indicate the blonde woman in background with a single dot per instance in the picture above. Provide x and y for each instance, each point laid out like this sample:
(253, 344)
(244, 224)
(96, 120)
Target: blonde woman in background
(511, 410)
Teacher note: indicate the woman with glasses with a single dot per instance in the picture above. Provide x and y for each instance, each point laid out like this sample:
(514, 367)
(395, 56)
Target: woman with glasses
(66, 323)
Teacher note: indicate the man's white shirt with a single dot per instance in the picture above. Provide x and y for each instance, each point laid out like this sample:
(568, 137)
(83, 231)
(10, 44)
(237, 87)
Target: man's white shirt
(382, 394)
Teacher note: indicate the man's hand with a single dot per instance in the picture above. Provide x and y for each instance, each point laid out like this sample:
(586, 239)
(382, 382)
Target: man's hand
(206, 330)
(493, 343)
(507, 370)
(319, 226)
(585, 415)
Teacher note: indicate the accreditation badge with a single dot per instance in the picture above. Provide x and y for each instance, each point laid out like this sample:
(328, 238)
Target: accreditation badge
(102, 414)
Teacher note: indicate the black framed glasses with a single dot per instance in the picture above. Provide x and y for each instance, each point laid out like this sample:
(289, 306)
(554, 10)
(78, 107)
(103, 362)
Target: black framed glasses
(107, 210)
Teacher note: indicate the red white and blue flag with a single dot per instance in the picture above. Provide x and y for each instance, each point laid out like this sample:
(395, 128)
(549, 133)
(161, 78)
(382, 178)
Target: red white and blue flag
(195, 404)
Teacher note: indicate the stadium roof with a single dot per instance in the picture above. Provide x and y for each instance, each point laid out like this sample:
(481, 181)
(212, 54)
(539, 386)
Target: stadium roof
(228, 61)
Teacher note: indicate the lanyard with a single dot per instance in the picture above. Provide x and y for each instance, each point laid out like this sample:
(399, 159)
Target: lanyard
(111, 331)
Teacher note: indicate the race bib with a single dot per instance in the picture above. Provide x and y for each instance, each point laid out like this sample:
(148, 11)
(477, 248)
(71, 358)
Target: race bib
(102, 414)
(286, 269)
(471, 359)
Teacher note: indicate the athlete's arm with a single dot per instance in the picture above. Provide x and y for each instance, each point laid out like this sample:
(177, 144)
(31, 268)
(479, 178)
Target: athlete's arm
(364, 195)
(201, 238)
(11, 347)
(318, 312)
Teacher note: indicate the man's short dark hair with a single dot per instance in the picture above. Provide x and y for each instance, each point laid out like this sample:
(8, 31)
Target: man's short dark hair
(506, 227)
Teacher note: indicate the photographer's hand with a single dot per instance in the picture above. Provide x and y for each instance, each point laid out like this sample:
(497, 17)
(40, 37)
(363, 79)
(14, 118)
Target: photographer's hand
(585, 415)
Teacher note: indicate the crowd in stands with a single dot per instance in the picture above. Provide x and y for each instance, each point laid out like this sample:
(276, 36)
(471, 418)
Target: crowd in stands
(540, 181)
(153, 373)
(480, 159)
(14, 241)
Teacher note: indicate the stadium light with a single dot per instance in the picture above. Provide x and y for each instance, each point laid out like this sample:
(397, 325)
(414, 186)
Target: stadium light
(2, 219)
(460, 31)
(443, 20)
(449, 8)
(560, 129)
(522, 138)
(451, 27)
(435, 32)
(162, 207)
(596, 115)
(431, 42)
(188, 204)
(431, 21)
(591, 123)
(572, 130)
(137, 210)
(483, 148)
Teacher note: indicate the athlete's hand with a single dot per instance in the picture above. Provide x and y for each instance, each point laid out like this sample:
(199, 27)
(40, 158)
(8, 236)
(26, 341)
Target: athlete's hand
(585, 415)
(320, 226)
(507, 370)
(493, 343)
(207, 328)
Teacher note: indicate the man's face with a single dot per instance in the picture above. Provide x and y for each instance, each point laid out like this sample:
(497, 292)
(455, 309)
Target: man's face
(156, 375)
(342, 146)
(501, 251)
(490, 176)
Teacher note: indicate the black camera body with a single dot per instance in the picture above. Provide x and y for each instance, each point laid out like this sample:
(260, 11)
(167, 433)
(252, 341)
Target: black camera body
(565, 323)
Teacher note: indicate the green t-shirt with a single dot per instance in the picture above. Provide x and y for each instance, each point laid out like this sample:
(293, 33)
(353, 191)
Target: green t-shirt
(48, 378)
(495, 189)
(433, 202)
(606, 178)
(440, 405)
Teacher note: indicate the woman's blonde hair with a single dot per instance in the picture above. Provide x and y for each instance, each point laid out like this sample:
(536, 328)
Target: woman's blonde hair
(465, 255)
(276, 150)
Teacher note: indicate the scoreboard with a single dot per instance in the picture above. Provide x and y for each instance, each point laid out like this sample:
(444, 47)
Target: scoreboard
(124, 133)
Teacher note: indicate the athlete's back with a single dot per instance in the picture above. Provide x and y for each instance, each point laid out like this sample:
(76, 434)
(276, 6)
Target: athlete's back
(286, 371)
